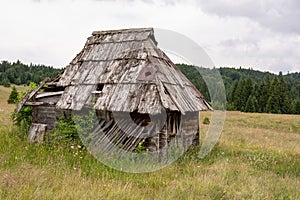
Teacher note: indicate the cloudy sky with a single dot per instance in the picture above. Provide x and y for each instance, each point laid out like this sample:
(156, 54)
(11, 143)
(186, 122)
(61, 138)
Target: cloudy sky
(261, 34)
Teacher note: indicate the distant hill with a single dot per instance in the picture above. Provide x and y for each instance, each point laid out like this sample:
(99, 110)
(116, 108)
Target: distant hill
(22, 74)
(250, 90)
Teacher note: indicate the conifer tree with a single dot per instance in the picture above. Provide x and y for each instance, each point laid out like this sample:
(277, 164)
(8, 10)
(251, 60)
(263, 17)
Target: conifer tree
(13, 97)
(246, 92)
(231, 99)
(252, 104)
(238, 98)
(264, 94)
(296, 106)
(284, 98)
(273, 103)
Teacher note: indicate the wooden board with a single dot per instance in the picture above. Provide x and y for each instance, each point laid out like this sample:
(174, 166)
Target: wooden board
(37, 133)
(29, 95)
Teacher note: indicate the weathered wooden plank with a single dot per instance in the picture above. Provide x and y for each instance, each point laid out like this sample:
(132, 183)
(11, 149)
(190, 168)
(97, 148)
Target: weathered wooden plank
(29, 95)
(37, 133)
(165, 97)
(66, 99)
(150, 103)
(48, 94)
(22, 102)
(51, 100)
(163, 143)
(38, 104)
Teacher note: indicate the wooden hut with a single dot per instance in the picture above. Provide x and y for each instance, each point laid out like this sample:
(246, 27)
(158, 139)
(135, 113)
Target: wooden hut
(123, 73)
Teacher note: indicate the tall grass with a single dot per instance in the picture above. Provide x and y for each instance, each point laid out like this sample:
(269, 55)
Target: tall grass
(68, 171)
(257, 157)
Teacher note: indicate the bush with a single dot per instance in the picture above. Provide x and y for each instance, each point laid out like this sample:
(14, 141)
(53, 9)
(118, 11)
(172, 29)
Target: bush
(5, 83)
(13, 97)
(65, 131)
(24, 118)
(206, 120)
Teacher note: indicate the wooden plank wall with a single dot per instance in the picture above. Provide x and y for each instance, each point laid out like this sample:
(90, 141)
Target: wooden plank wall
(190, 129)
(47, 114)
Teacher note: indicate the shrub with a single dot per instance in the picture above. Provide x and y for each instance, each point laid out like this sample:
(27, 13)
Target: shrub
(13, 97)
(5, 82)
(24, 118)
(206, 120)
(65, 131)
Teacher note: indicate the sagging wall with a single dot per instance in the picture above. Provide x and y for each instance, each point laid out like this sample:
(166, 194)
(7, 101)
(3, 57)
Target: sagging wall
(156, 132)
(181, 130)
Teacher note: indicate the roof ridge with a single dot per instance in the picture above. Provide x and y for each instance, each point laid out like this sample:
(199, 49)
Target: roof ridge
(130, 30)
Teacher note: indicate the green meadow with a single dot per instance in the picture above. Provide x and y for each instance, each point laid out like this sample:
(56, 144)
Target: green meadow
(257, 157)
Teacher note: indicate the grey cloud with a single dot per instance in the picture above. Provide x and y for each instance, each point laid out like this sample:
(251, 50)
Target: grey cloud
(161, 2)
(279, 16)
(236, 42)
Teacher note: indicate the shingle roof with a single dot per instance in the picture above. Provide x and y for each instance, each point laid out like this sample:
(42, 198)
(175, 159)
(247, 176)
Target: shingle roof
(136, 76)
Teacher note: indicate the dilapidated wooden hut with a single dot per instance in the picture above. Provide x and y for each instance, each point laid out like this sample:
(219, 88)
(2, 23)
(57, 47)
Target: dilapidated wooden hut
(123, 74)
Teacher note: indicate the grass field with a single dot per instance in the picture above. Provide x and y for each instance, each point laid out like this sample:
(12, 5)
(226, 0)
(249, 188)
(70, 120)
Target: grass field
(257, 157)
(6, 109)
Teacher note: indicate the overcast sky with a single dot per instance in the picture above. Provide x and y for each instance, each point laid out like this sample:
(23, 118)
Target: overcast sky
(261, 34)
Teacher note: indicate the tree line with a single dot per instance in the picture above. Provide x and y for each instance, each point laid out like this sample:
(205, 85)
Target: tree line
(271, 96)
(249, 90)
(21, 74)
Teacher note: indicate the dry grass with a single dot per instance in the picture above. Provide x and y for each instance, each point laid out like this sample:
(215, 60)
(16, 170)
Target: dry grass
(277, 132)
(6, 109)
(257, 157)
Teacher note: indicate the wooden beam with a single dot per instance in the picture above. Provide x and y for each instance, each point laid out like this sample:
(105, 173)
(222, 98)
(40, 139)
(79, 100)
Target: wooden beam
(29, 95)
(22, 102)
(38, 104)
(48, 94)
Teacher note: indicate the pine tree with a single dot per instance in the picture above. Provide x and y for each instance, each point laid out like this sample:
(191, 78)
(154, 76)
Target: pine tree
(13, 97)
(246, 92)
(238, 95)
(284, 97)
(264, 94)
(273, 103)
(232, 96)
(296, 106)
(252, 104)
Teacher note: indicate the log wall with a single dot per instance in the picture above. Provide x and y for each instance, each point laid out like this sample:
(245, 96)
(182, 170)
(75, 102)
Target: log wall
(46, 114)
